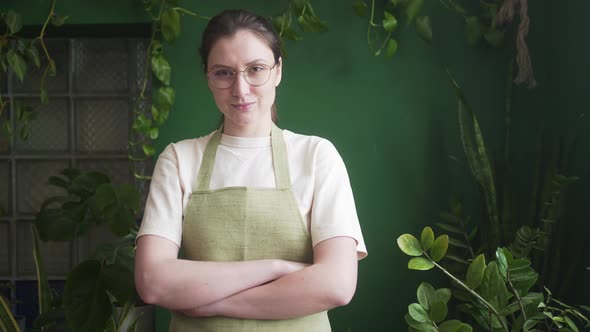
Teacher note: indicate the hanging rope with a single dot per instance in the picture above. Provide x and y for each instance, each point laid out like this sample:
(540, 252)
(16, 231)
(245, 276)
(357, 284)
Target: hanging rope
(523, 59)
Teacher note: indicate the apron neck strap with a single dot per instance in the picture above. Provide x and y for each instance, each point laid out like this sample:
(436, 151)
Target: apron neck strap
(279, 157)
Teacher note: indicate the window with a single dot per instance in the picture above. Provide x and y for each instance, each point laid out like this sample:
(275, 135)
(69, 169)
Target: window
(86, 125)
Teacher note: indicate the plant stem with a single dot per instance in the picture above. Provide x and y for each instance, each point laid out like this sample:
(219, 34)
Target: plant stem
(516, 294)
(50, 62)
(180, 9)
(486, 303)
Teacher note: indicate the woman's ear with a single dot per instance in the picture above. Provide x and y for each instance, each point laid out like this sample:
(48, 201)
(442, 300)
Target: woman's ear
(279, 71)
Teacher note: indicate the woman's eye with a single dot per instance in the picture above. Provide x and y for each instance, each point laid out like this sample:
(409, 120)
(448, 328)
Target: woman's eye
(222, 73)
(256, 69)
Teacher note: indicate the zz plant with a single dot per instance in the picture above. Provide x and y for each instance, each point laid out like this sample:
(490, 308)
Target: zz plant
(493, 296)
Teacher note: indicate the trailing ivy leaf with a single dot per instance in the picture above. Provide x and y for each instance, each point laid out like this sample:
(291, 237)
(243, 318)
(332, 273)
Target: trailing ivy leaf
(424, 28)
(32, 53)
(170, 25)
(291, 34)
(391, 48)
(409, 245)
(427, 238)
(475, 272)
(473, 30)
(426, 295)
(142, 123)
(389, 22)
(439, 248)
(360, 8)
(413, 9)
(148, 150)
(153, 132)
(420, 264)
(17, 63)
(494, 37)
(161, 68)
(166, 96)
(418, 313)
(438, 311)
(156, 48)
(44, 96)
(58, 20)
(13, 21)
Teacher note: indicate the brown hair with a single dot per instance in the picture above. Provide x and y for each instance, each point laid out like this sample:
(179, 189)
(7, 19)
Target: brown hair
(227, 23)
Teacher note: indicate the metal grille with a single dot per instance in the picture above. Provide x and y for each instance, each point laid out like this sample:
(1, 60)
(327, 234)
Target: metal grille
(86, 125)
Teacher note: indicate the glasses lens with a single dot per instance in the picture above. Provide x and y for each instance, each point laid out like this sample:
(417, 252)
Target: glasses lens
(257, 74)
(222, 78)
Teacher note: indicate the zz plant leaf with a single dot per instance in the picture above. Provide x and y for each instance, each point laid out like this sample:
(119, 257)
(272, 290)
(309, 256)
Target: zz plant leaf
(426, 295)
(439, 248)
(427, 238)
(476, 271)
(420, 263)
(409, 245)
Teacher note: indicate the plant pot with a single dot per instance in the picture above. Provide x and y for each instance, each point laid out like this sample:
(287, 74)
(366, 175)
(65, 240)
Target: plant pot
(145, 322)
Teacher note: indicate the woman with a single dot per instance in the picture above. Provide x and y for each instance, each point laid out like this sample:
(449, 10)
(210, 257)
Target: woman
(264, 217)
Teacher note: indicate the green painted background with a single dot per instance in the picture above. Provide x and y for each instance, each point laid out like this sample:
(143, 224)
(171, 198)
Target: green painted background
(394, 120)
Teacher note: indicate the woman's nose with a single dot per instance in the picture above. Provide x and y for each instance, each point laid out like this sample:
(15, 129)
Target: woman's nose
(241, 87)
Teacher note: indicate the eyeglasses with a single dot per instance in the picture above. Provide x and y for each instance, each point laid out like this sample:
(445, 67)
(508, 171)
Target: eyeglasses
(224, 78)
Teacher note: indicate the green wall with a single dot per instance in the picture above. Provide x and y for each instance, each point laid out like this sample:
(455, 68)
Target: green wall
(392, 120)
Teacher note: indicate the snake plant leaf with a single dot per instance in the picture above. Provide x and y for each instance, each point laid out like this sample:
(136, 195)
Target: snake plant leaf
(161, 68)
(420, 264)
(409, 245)
(170, 25)
(360, 8)
(389, 22)
(17, 63)
(86, 302)
(476, 271)
(439, 248)
(443, 294)
(418, 313)
(391, 48)
(412, 10)
(494, 37)
(424, 28)
(571, 324)
(473, 30)
(427, 238)
(426, 295)
(438, 311)
(7, 321)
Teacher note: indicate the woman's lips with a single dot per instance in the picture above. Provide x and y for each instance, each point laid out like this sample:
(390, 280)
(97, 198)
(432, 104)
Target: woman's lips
(242, 106)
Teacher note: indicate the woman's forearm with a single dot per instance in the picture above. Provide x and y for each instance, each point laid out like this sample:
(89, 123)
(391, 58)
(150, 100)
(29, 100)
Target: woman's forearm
(179, 284)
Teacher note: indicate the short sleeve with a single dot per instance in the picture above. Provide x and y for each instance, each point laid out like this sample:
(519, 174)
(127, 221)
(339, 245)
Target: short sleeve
(333, 211)
(163, 209)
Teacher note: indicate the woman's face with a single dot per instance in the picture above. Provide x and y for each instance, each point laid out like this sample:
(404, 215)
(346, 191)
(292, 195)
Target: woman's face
(246, 108)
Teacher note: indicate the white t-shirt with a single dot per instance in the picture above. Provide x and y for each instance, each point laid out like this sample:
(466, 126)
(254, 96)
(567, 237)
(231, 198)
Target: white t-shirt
(319, 182)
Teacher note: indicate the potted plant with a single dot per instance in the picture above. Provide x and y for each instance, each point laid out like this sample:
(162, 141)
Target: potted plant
(100, 291)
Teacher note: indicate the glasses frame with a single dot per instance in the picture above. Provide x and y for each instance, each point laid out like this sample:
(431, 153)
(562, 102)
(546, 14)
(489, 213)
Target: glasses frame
(243, 72)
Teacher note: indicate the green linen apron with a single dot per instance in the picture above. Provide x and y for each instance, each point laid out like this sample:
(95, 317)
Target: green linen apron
(243, 223)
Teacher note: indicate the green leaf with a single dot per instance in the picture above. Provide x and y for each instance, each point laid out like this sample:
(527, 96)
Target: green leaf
(291, 34)
(424, 28)
(494, 37)
(438, 311)
(493, 288)
(426, 295)
(450, 326)
(475, 272)
(17, 63)
(412, 10)
(149, 150)
(161, 68)
(389, 22)
(450, 228)
(153, 132)
(170, 25)
(457, 243)
(417, 326)
(409, 245)
(360, 8)
(443, 294)
(44, 96)
(32, 54)
(439, 248)
(391, 47)
(473, 30)
(51, 70)
(58, 20)
(420, 263)
(418, 313)
(128, 197)
(85, 299)
(103, 198)
(13, 21)
(166, 96)
(427, 238)
(118, 280)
